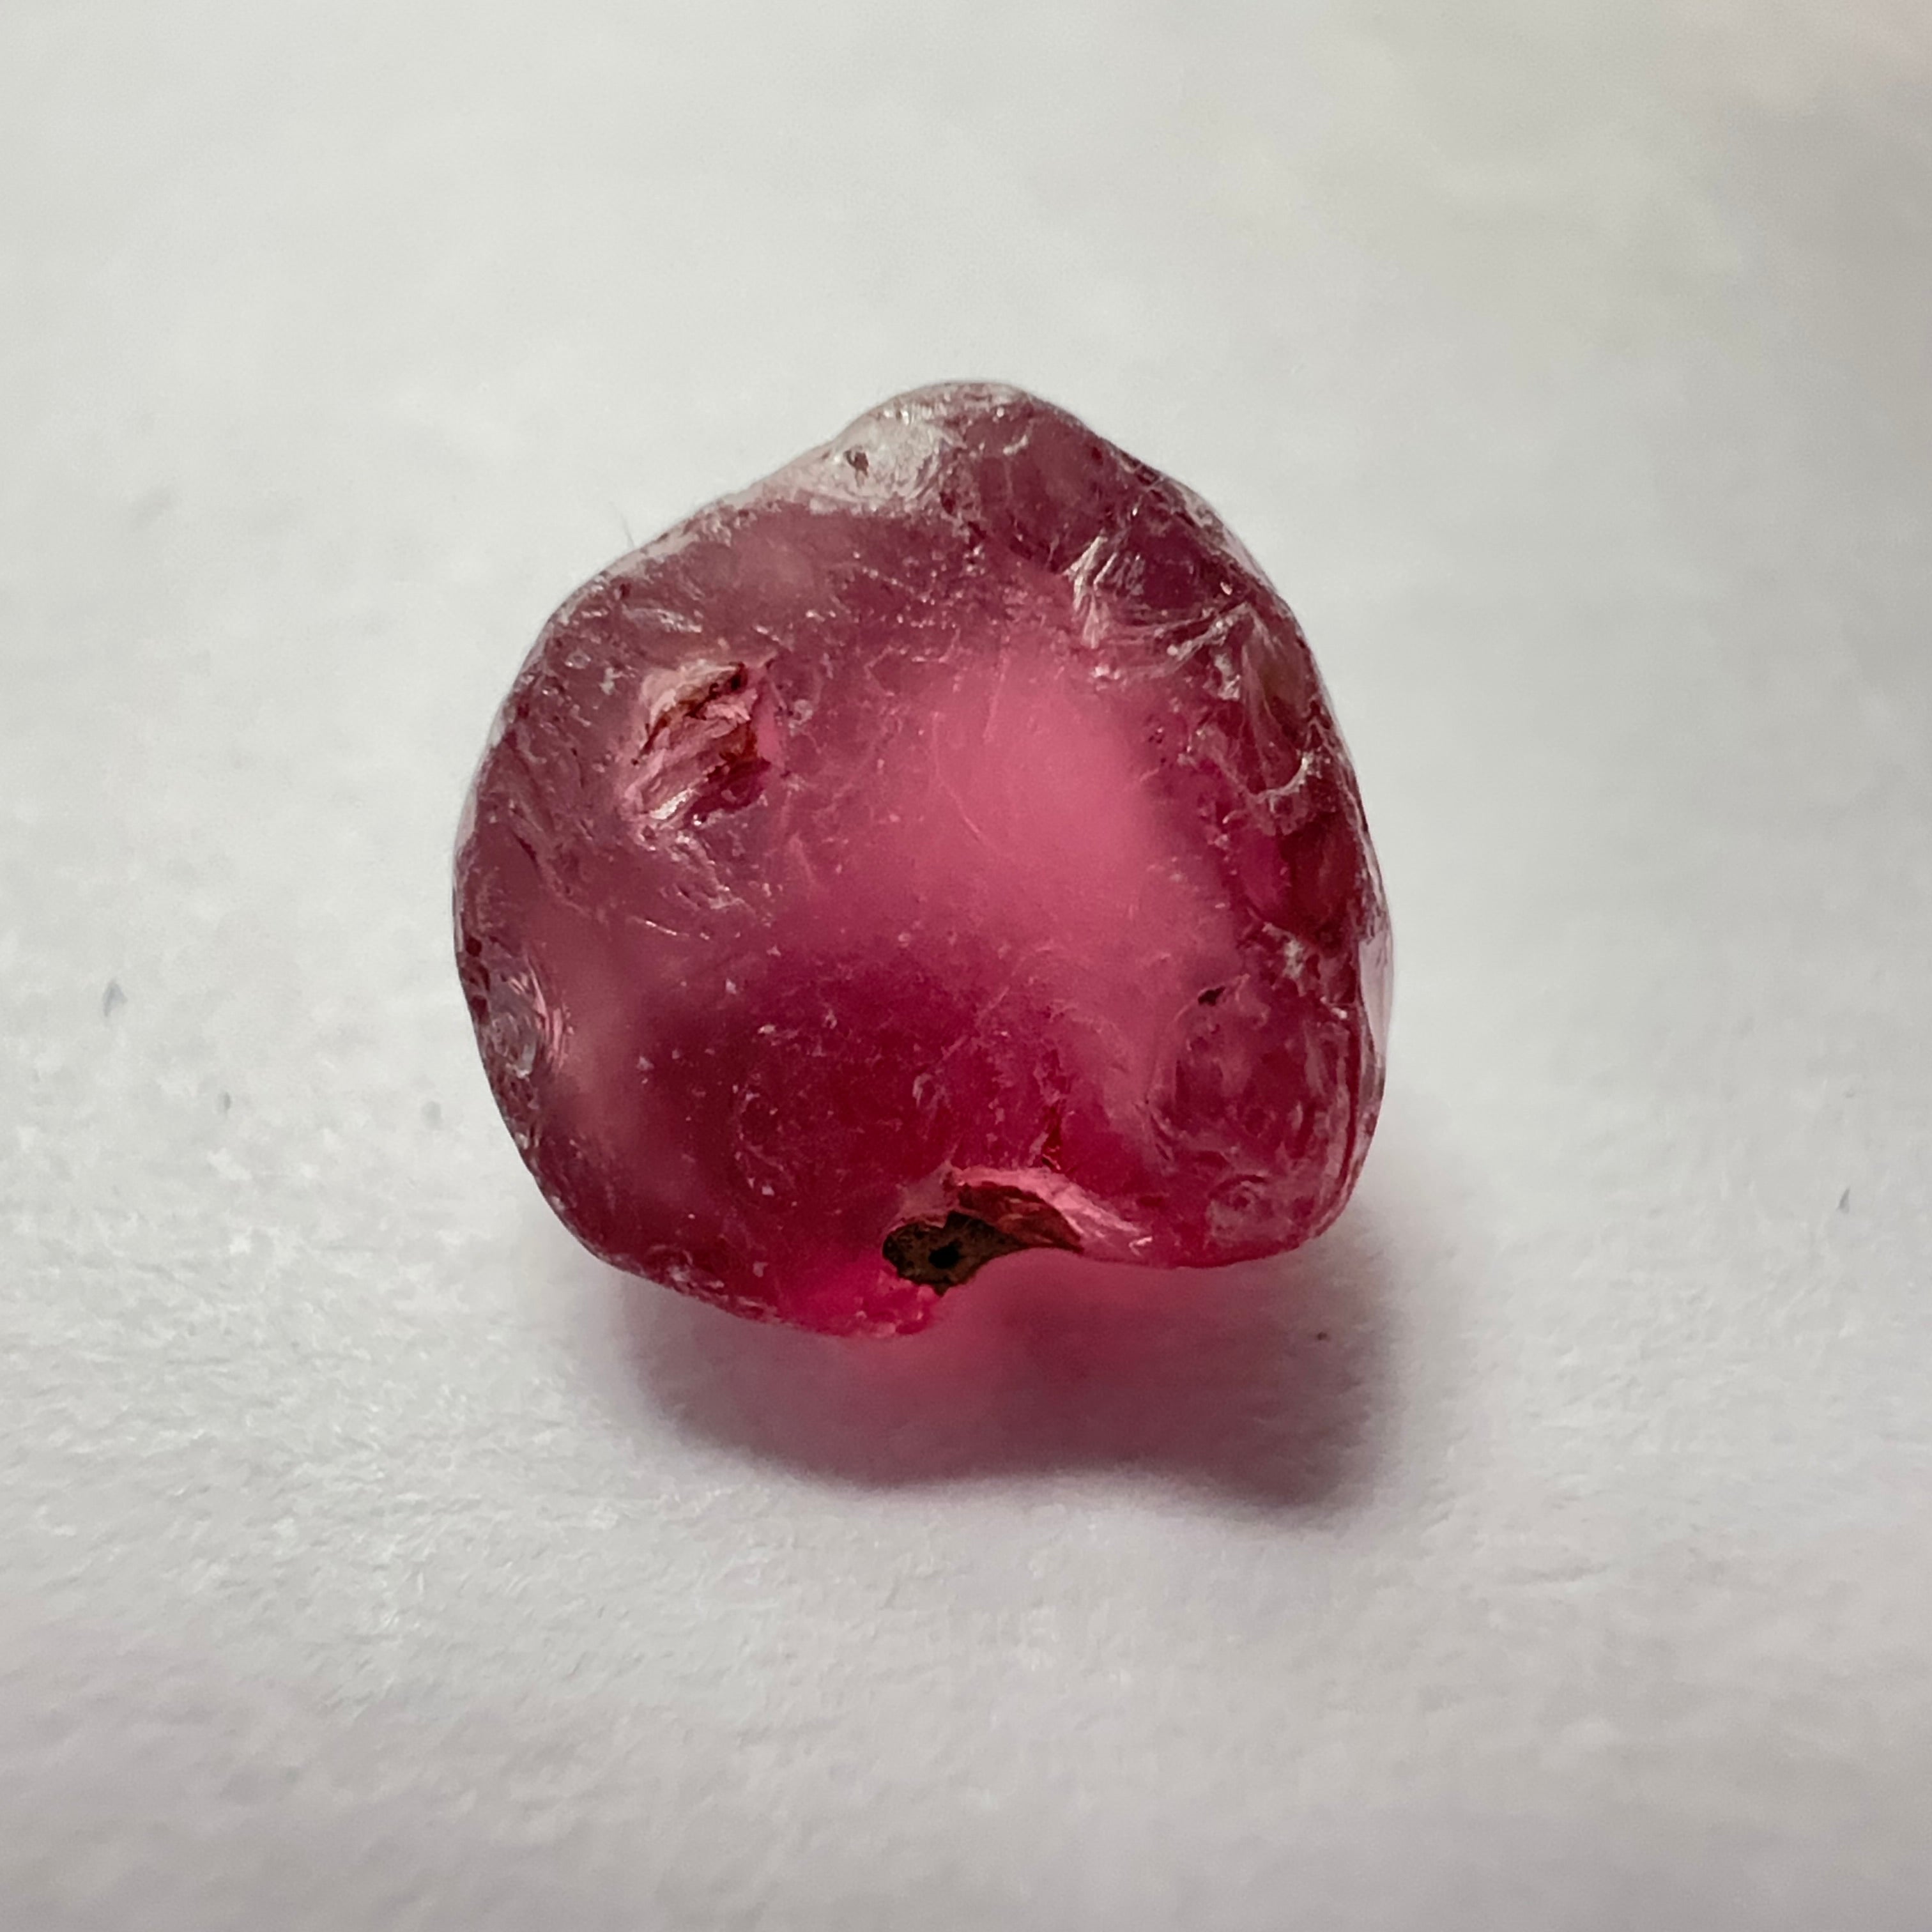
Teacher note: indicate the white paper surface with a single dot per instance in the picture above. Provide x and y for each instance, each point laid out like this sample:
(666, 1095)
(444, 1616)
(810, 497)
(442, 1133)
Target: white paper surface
(1549, 1548)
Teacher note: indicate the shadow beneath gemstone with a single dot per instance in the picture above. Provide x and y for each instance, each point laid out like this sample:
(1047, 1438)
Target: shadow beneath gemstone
(1263, 1381)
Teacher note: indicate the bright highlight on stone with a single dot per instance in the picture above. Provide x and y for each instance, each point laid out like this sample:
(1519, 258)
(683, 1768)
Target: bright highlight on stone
(943, 848)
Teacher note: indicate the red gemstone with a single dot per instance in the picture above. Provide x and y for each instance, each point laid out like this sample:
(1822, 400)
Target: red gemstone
(942, 848)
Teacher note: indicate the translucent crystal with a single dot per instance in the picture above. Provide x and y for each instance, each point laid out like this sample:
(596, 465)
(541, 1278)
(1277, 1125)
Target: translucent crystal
(942, 848)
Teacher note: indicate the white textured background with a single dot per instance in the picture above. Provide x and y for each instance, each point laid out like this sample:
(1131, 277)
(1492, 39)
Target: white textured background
(1548, 1550)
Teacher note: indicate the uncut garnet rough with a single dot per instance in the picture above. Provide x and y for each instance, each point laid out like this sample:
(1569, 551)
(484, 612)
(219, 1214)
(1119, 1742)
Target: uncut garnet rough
(943, 848)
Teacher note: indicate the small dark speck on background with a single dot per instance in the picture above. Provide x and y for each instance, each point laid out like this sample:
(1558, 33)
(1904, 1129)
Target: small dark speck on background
(1845, 1202)
(113, 1000)
(149, 506)
(224, 1101)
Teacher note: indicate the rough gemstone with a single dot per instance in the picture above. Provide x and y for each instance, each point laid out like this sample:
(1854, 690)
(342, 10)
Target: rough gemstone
(942, 848)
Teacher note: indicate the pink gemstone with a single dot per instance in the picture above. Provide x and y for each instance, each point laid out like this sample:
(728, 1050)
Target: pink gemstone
(942, 848)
